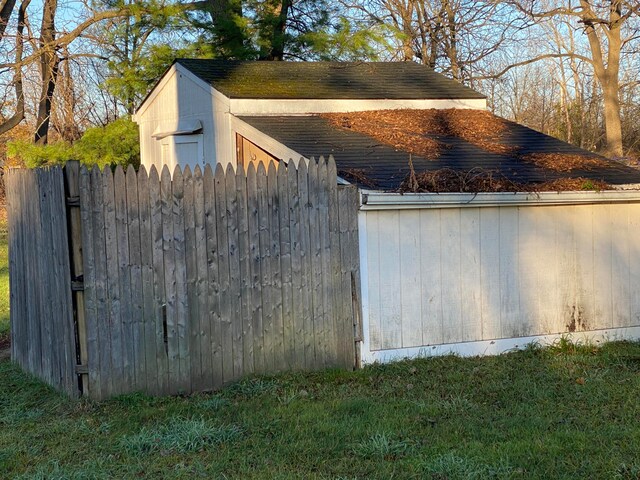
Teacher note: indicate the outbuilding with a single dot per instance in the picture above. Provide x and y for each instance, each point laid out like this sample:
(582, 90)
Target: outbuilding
(477, 234)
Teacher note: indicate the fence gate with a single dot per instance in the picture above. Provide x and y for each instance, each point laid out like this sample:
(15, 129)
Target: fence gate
(179, 283)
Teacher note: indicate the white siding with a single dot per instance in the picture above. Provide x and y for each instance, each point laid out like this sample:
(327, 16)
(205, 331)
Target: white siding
(180, 96)
(449, 275)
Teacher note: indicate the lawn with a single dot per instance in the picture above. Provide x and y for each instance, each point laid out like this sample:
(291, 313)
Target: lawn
(561, 412)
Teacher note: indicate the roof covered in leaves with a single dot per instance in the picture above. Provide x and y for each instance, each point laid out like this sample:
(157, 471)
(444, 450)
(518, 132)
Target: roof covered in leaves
(327, 80)
(374, 149)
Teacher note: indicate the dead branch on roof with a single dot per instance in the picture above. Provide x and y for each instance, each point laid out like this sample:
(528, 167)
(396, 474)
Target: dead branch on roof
(358, 176)
(479, 180)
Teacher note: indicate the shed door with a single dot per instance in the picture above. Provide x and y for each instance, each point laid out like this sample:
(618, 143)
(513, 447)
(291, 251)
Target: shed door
(189, 151)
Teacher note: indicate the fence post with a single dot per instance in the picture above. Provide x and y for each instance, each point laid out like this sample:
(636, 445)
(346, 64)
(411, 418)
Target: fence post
(74, 227)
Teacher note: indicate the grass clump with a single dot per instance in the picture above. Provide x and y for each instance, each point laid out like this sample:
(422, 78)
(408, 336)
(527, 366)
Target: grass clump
(180, 435)
(382, 446)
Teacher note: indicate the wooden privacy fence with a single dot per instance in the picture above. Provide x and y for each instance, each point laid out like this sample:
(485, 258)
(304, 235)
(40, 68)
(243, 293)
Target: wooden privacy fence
(182, 282)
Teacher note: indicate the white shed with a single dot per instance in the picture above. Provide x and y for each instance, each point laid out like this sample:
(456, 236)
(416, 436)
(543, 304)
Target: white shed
(467, 272)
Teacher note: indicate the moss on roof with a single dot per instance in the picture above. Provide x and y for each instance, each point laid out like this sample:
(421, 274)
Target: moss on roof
(327, 80)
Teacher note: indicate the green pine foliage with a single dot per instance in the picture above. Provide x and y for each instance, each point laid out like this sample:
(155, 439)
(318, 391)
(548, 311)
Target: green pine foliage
(115, 144)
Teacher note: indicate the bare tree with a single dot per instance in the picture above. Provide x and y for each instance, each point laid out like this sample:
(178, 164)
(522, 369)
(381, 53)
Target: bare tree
(608, 28)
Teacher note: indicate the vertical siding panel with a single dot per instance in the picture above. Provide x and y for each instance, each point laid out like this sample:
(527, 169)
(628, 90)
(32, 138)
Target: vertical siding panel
(558, 272)
(490, 272)
(634, 264)
(410, 293)
(431, 277)
(373, 280)
(531, 242)
(584, 263)
(471, 281)
(620, 265)
(602, 265)
(509, 268)
(452, 327)
(389, 260)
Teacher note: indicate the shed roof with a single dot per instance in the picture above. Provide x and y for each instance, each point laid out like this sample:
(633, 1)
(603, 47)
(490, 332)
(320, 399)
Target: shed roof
(385, 166)
(327, 80)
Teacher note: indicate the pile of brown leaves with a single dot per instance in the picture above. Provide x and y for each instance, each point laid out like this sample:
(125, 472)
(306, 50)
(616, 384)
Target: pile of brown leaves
(562, 162)
(480, 180)
(409, 130)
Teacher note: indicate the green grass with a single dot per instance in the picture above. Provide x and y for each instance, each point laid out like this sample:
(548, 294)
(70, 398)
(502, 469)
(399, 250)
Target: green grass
(562, 412)
(4, 280)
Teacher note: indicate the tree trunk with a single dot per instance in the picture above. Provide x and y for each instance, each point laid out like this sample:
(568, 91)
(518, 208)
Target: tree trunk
(48, 70)
(277, 26)
(18, 116)
(6, 9)
(612, 121)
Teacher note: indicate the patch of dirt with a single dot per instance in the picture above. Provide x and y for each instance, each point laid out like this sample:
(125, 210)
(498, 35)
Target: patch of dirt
(409, 130)
(480, 180)
(564, 162)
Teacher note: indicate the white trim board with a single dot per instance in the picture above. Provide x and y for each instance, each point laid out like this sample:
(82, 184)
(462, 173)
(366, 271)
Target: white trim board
(372, 200)
(262, 107)
(498, 346)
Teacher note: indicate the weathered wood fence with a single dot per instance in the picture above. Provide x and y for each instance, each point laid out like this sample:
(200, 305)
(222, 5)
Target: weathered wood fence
(181, 282)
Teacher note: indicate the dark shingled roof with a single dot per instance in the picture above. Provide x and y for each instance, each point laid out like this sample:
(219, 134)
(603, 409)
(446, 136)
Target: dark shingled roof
(314, 136)
(327, 80)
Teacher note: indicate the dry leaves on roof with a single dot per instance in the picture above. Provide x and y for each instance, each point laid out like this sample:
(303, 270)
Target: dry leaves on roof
(412, 130)
(478, 180)
(563, 162)
(358, 176)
